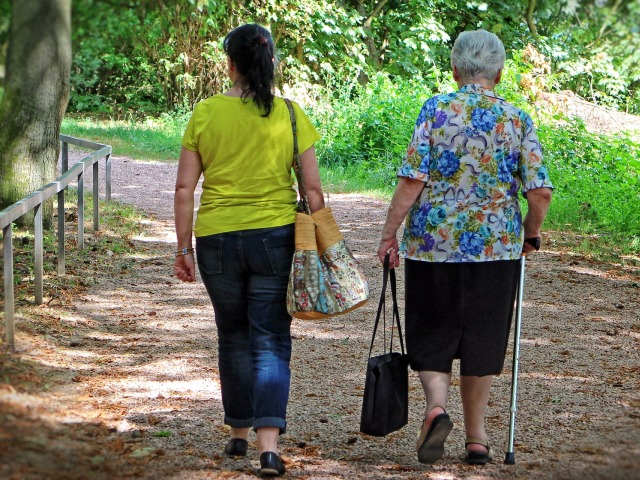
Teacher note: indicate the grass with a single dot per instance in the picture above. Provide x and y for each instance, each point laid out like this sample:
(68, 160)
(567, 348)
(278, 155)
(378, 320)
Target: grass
(150, 139)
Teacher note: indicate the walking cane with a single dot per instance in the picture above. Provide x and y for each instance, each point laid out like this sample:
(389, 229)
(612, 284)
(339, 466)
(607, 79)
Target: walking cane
(509, 458)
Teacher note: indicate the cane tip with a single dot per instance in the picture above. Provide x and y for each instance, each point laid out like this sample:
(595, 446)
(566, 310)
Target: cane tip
(510, 458)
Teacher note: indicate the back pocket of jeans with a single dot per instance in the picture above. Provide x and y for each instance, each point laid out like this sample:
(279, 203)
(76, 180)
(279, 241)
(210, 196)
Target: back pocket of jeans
(280, 251)
(209, 254)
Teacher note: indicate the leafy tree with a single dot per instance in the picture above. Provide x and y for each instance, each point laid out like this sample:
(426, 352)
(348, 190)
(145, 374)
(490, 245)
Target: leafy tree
(595, 48)
(150, 56)
(35, 97)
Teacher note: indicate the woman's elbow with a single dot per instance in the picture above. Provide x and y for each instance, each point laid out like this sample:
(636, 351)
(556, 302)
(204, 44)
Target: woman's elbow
(540, 195)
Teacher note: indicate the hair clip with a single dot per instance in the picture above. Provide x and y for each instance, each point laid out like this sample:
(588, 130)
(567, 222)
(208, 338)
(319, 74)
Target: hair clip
(260, 40)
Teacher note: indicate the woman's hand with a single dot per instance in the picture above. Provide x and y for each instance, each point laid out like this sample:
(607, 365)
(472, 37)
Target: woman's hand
(390, 247)
(184, 268)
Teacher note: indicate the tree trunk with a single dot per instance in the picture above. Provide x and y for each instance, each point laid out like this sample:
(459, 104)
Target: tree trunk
(369, 40)
(35, 97)
(531, 8)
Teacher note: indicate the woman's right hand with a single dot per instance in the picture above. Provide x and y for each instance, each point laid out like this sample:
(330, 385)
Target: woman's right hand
(389, 247)
(184, 268)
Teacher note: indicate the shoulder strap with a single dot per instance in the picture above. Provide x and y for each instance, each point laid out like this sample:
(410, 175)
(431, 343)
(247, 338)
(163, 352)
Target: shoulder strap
(297, 167)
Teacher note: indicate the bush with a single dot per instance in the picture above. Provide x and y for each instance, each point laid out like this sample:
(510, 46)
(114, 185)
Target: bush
(366, 130)
(596, 179)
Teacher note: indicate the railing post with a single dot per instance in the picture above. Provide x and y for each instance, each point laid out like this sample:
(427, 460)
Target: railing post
(61, 257)
(96, 199)
(8, 287)
(107, 167)
(38, 253)
(65, 157)
(35, 202)
(81, 209)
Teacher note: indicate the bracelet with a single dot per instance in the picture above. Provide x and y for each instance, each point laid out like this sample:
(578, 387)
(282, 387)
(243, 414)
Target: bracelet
(184, 251)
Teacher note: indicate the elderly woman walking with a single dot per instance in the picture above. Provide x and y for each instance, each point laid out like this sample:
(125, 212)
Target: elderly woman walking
(470, 154)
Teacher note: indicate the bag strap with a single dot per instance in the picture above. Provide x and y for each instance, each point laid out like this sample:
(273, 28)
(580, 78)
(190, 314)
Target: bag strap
(297, 167)
(388, 276)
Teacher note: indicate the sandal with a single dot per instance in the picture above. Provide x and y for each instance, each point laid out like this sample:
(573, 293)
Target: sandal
(431, 442)
(477, 458)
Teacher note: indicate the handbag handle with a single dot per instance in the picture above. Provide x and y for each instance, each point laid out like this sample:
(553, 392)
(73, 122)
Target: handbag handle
(297, 167)
(388, 276)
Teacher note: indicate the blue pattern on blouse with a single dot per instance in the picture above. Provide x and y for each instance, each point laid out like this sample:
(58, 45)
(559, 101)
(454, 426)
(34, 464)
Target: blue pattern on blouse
(474, 151)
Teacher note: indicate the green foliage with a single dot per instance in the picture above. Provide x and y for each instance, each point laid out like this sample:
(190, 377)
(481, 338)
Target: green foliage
(111, 71)
(150, 58)
(596, 179)
(595, 50)
(367, 129)
(5, 17)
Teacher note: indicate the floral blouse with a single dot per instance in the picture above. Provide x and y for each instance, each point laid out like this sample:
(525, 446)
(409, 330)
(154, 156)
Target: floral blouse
(474, 152)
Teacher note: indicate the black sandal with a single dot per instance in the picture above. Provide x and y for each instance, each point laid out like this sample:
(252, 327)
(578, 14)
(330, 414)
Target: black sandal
(431, 443)
(477, 458)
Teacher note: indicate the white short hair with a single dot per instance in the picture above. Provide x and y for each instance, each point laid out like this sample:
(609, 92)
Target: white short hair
(478, 54)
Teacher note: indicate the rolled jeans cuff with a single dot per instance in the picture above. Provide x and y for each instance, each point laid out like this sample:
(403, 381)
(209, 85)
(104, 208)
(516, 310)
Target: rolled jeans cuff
(270, 422)
(233, 423)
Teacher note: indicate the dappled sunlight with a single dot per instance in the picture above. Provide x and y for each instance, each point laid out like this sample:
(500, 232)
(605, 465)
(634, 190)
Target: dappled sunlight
(544, 305)
(74, 353)
(141, 387)
(105, 336)
(308, 331)
(557, 377)
(177, 326)
(536, 342)
(136, 357)
(166, 236)
(588, 271)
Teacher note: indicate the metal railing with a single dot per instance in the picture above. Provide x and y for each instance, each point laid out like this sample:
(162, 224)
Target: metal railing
(34, 202)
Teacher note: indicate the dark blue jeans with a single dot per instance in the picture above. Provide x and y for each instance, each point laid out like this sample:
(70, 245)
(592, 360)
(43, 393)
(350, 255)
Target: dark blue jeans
(246, 274)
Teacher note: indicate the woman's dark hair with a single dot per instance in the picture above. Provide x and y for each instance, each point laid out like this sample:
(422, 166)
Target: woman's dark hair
(250, 48)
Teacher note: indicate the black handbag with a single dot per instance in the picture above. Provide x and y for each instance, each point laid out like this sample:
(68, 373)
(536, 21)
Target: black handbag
(385, 404)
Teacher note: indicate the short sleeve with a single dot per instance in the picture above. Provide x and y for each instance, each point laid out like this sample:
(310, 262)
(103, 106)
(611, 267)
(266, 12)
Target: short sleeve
(189, 140)
(416, 162)
(533, 172)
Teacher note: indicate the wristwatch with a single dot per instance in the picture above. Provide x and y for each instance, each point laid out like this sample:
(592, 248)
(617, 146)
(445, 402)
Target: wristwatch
(534, 242)
(184, 251)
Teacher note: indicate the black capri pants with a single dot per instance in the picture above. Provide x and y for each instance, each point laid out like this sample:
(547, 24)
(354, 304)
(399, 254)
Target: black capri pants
(459, 310)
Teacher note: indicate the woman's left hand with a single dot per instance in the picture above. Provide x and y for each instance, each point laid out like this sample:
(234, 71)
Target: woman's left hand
(184, 268)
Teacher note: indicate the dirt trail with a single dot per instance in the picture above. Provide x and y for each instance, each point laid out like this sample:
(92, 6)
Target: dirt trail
(122, 382)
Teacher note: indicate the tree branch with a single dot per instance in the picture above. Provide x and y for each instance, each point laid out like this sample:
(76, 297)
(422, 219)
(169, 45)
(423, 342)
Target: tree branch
(369, 41)
(369, 20)
(532, 26)
(605, 24)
